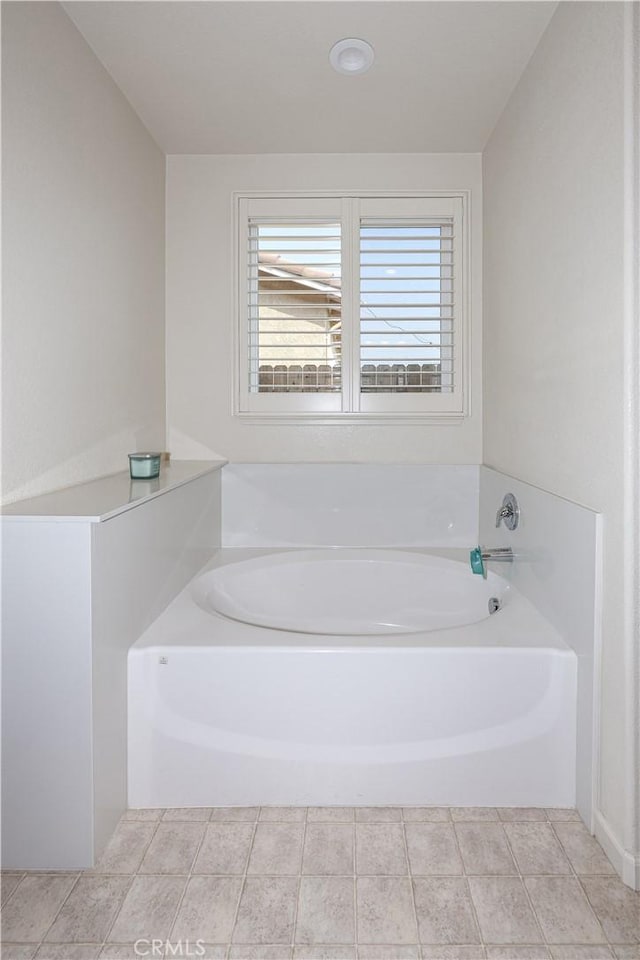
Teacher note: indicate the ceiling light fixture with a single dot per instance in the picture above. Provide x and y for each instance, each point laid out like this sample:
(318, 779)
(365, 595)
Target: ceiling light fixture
(351, 56)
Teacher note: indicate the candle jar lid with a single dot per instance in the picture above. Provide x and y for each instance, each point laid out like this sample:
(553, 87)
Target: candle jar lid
(144, 456)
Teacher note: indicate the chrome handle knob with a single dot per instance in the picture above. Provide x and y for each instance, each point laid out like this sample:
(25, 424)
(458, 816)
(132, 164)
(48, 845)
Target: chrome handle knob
(509, 512)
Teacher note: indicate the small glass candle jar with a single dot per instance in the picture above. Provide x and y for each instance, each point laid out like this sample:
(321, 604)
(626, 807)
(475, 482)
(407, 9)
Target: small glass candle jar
(144, 466)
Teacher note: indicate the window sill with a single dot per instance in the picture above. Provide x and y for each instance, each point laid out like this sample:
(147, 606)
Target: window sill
(368, 419)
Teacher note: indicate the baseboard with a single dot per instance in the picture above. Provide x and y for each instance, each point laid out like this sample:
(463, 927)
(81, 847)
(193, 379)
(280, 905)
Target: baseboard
(625, 863)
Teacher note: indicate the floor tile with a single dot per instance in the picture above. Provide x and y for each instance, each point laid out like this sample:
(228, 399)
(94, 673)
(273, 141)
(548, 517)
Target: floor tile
(444, 911)
(517, 952)
(18, 951)
(235, 813)
(583, 850)
(378, 814)
(68, 951)
(330, 815)
(8, 883)
(148, 909)
(389, 951)
(294, 814)
(428, 814)
(459, 814)
(277, 849)
(210, 951)
(536, 848)
(208, 909)
(128, 951)
(187, 813)
(567, 909)
(380, 849)
(173, 848)
(520, 814)
(259, 951)
(267, 910)
(225, 848)
(503, 910)
(562, 814)
(452, 951)
(324, 951)
(143, 814)
(616, 906)
(328, 849)
(385, 911)
(34, 906)
(484, 849)
(89, 910)
(122, 951)
(433, 849)
(563, 910)
(580, 951)
(325, 910)
(126, 848)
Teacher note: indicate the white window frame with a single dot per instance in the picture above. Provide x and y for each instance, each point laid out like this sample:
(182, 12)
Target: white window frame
(350, 207)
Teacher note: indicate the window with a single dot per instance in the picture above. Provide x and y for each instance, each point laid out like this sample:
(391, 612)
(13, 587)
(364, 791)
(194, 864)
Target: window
(351, 307)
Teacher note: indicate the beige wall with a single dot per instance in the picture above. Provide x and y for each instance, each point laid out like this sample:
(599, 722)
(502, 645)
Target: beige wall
(83, 246)
(554, 314)
(280, 324)
(200, 315)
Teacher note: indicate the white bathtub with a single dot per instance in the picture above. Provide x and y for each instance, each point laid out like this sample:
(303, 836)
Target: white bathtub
(386, 706)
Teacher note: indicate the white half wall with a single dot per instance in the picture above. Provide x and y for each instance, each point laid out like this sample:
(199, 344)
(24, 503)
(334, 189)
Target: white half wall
(83, 262)
(47, 752)
(200, 318)
(554, 326)
(141, 560)
(558, 567)
(77, 592)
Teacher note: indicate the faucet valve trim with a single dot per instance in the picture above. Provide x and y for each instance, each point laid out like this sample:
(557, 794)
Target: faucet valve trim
(509, 512)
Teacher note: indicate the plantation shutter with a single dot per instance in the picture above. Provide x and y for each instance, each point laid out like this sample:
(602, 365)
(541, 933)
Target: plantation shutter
(350, 305)
(295, 308)
(290, 299)
(406, 306)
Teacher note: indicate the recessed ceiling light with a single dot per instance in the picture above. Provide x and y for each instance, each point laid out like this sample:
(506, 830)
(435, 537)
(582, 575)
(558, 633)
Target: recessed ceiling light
(351, 56)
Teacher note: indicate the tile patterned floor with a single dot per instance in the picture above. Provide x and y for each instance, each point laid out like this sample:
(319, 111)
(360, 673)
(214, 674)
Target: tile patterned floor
(286, 883)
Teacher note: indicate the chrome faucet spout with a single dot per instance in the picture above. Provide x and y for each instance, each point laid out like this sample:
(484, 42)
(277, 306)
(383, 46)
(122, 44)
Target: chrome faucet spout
(479, 556)
(499, 554)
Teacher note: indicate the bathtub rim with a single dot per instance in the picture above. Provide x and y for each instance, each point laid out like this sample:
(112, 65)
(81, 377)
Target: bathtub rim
(184, 624)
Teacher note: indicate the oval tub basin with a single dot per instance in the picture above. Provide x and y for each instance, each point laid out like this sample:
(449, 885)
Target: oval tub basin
(349, 592)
